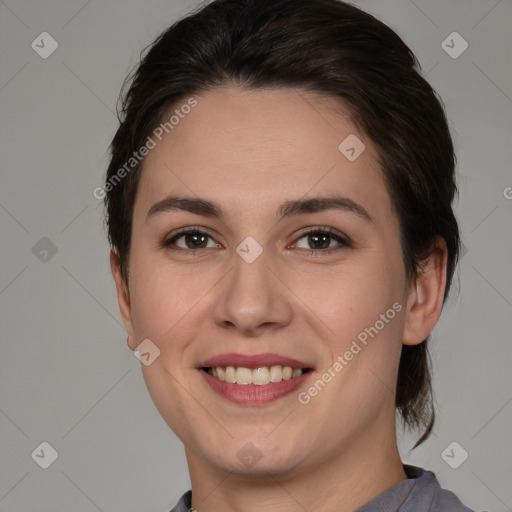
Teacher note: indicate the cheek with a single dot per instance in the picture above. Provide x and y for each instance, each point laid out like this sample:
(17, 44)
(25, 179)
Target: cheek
(365, 312)
(157, 296)
(167, 299)
(364, 309)
(352, 298)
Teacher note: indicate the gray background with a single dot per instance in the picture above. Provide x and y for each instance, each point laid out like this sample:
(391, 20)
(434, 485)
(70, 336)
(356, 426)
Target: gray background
(67, 376)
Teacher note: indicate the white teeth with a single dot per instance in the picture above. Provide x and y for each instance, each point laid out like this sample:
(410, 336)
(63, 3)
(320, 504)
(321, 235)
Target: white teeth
(230, 374)
(259, 376)
(243, 376)
(276, 374)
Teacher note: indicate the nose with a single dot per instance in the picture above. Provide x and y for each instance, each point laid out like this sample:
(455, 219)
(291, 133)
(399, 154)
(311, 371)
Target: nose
(252, 299)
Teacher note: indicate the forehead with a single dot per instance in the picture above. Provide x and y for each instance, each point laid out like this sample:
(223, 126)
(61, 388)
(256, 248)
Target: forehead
(253, 149)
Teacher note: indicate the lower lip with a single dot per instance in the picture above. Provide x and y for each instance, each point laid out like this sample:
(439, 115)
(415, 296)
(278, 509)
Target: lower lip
(253, 394)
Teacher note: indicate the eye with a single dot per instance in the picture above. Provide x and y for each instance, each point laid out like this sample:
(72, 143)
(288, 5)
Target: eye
(189, 239)
(319, 241)
(316, 241)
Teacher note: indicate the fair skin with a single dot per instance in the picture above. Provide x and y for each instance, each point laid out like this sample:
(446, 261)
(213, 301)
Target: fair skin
(249, 152)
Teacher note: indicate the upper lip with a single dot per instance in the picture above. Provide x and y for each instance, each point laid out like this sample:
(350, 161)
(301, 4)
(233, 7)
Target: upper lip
(252, 361)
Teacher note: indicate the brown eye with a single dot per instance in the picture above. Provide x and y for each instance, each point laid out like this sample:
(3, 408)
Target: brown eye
(193, 240)
(190, 240)
(321, 240)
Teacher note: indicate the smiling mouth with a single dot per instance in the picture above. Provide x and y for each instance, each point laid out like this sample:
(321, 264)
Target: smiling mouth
(260, 376)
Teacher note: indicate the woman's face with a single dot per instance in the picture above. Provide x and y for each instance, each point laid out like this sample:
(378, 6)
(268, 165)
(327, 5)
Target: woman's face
(251, 288)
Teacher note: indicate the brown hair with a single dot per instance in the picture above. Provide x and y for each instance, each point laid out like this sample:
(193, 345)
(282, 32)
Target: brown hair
(324, 46)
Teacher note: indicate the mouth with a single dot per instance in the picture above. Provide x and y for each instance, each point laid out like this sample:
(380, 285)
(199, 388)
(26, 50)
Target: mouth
(254, 380)
(259, 376)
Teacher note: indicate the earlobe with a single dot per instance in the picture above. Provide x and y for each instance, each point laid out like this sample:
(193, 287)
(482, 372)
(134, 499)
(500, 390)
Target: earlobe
(123, 296)
(425, 300)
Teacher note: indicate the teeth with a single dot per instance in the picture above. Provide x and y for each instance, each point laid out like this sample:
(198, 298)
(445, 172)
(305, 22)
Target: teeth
(276, 374)
(230, 374)
(243, 376)
(259, 376)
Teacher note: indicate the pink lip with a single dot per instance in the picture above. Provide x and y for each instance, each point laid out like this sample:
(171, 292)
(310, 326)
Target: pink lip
(253, 394)
(254, 361)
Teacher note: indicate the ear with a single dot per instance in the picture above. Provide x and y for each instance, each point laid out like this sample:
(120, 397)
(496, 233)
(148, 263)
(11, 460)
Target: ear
(123, 297)
(425, 300)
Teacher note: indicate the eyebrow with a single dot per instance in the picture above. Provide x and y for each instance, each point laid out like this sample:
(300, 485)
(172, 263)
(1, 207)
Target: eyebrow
(208, 208)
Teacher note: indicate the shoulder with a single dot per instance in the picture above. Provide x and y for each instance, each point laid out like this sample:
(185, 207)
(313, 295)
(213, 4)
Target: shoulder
(428, 494)
(185, 503)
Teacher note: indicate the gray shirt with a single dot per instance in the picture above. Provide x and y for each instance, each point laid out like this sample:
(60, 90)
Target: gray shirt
(421, 492)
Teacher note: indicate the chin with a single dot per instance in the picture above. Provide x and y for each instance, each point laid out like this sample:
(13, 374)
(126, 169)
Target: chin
(255, 457)
(259, 467)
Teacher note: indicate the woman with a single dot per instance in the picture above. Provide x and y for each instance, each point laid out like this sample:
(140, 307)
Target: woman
(279, 210)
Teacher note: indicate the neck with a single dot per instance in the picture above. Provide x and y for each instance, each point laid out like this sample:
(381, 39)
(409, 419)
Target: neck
(347, 480)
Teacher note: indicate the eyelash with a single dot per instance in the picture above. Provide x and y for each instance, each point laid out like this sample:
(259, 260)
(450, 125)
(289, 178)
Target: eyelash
(343, 241)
